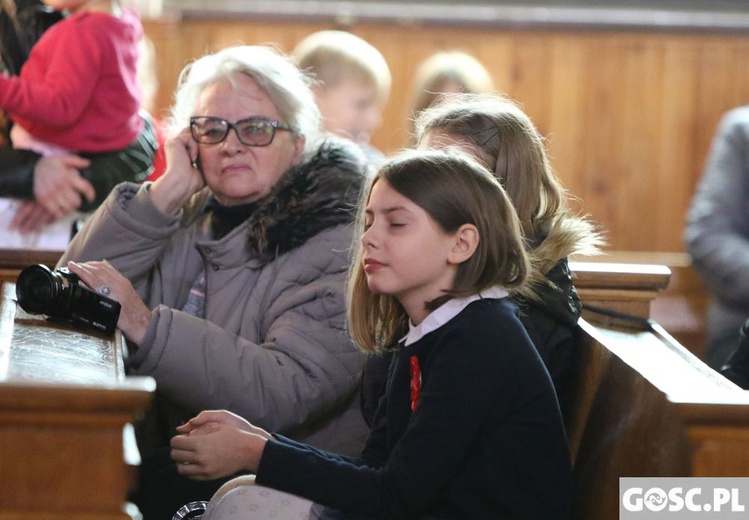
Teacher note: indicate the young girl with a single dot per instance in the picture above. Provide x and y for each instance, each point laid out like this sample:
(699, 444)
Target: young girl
(469, 426)
(497, 132)
(78, 93)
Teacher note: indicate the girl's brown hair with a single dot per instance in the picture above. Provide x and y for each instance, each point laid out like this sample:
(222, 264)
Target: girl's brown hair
(454, 189)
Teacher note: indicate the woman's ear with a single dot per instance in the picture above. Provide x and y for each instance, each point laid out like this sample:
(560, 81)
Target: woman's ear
(299, 143)
(466, 241)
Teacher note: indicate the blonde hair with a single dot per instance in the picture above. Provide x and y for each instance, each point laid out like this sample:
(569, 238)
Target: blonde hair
(332, 56)
(454, 189)
(432, 77)
(506, 140)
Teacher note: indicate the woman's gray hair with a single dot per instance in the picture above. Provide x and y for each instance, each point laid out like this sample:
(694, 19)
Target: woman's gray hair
(287, 86)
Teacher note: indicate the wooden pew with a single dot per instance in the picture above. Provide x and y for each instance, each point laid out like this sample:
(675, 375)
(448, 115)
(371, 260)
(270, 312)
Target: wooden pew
(66, 445)
(681, 307)
(643, 405)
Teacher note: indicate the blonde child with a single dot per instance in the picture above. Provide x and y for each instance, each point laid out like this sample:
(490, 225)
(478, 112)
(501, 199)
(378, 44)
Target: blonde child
(469, 426)
(353, 84)
(448, 72)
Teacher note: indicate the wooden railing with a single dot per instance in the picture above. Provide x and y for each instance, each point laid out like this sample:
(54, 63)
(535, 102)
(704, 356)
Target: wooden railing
(66, 445)
(13, 260)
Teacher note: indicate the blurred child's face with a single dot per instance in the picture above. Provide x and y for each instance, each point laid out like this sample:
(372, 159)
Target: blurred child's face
(351, 108)
(405, 253)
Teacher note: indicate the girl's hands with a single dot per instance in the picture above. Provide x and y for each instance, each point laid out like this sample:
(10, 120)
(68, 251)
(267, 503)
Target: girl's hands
(134, 316)
(217, 444)
(223, 417)
(180, 179)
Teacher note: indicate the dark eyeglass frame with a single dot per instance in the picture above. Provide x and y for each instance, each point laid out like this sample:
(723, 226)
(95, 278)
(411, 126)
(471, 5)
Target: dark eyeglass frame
(195, 121)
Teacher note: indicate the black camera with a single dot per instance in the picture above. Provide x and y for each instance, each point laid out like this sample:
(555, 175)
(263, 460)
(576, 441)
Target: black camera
(58, 295)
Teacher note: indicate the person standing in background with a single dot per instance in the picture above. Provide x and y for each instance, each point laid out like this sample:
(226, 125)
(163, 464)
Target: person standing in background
(717, 234)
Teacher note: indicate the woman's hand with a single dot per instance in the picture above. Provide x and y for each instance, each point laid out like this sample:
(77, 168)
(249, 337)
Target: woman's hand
(180, 179)
(134, 316)
(217, 444)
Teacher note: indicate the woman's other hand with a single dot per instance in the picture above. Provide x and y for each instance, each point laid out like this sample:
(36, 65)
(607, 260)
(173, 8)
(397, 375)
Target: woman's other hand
(182, 177)
(105, 279)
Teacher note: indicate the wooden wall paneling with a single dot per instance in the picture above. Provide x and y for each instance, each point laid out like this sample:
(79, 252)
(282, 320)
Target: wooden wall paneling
(630, 115)
(531, 77)
(403, 55)
(599, 165)
(495, 51)
(675, 150)
(567, 94)
(639, 123)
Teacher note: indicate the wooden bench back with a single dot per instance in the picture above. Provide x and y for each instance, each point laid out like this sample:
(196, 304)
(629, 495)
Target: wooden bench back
(643, 405)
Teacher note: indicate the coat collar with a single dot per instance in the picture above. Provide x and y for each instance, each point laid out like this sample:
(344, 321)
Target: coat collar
(319, 193)
(446, 312)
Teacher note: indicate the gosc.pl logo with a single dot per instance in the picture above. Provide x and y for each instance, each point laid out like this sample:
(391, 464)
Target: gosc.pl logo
(682, 497)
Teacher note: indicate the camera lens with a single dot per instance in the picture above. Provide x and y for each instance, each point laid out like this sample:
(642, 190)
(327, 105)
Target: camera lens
(37, 289)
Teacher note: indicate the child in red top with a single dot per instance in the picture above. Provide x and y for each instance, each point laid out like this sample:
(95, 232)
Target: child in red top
(78, 90)
(78, 93)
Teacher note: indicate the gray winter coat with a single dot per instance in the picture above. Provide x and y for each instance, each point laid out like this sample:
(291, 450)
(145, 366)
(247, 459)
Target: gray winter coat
(717, 233)
(272, 347)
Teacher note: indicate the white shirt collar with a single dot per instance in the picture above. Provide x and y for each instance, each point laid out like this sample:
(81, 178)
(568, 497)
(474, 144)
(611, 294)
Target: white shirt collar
(446, 312)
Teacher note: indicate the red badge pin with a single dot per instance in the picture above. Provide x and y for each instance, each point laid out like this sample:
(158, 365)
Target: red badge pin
(415, 382)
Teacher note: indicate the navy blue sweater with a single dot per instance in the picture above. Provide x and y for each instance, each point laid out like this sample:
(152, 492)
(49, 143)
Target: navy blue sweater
(485, 440)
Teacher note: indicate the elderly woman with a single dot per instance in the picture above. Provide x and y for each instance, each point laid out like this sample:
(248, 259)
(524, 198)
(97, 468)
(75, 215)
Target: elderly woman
(230, 268)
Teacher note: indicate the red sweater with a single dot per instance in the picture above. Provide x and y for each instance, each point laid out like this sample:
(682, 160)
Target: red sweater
(78, 89)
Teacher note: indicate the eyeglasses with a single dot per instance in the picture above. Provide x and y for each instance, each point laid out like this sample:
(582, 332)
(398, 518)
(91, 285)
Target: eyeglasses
(253, 131)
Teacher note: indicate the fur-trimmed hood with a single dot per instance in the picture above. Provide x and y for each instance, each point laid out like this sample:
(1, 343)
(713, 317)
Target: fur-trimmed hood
(319, 193)
(552, 288)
